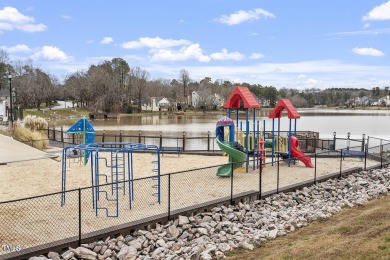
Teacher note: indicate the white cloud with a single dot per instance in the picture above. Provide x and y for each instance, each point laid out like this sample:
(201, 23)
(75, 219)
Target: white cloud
(50, 53)
(381, 12)
(66, 17)
(154, 43)
(106, 40)
(243, 16)
(368, 51)
(256, 56)
(366, 25)
(11, 19)
(301, 76)
(312, 82)
(365, 32)
(225, 55)
(16, 48)
(192, 51)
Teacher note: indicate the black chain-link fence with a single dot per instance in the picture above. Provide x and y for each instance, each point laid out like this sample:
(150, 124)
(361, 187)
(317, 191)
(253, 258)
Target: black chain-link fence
(40, 220)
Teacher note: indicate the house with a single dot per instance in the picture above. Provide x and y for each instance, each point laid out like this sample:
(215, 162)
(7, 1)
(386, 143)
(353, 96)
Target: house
(159, 104)
(4, 104)
(200, 99)
(384, 101)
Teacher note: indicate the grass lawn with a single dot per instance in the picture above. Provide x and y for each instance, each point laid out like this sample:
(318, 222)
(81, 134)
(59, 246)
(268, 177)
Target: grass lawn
(56, 113)
(357, 233)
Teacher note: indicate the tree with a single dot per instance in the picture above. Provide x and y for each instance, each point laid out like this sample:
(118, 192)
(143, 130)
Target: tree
(185, 79)
(140, 82)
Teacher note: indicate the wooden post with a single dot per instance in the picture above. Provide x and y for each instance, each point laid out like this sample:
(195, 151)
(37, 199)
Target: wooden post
(208, 140)
(184, 141)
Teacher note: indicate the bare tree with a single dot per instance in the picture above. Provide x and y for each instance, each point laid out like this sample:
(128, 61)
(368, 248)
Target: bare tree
(140, 77)
(185, 79)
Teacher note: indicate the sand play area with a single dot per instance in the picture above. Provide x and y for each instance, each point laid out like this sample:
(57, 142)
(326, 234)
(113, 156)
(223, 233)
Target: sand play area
(40, 220)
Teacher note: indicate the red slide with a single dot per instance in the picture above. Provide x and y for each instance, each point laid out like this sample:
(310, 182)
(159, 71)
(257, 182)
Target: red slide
(295, 152)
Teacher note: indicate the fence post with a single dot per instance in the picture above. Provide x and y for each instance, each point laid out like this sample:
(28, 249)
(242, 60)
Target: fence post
(54, 132)
(307, 137)
(115, 138)
(381, 153)
(365, 157)
(315, 142)
(160, 139)
(120, 136)
(260, 173)
(184, 141)
(169, 197)
(231, 184)
(208, 140)
(277, 180)
(73, 138)
(363, 142)
(315, 168)
(341, 161)
(79, 217)
(48, 132)
(62, 134)
(103, 135)
(139, 136)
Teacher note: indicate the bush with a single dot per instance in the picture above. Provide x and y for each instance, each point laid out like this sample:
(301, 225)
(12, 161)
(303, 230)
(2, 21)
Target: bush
(35, 123)
(27, 136)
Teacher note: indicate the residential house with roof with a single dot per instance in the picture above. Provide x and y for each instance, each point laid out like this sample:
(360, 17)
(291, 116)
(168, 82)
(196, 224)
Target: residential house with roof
(159, 104)
(4, 105)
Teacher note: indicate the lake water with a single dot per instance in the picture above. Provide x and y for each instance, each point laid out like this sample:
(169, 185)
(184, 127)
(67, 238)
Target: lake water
(357, 122)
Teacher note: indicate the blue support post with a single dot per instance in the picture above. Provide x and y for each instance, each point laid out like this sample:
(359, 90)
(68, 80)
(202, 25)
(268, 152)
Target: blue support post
(247, 139)
(289, 144)
(279, 134)
(229, 113)
(254, 139)
(273, 140)
(295, 127)
(237, 117)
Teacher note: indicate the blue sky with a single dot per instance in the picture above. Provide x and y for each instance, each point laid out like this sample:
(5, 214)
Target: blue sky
(300, 44)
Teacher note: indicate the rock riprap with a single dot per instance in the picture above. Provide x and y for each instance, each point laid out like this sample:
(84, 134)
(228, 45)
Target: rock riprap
(210, 235)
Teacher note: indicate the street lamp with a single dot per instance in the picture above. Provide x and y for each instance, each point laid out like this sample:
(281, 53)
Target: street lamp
(11, 114)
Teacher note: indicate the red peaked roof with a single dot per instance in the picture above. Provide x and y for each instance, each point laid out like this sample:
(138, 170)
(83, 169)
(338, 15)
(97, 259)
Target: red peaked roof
(284, 103)
(241, 93)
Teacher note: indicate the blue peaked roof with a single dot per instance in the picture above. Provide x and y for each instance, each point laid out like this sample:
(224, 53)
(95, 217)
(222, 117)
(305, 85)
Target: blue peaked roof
(81, 126)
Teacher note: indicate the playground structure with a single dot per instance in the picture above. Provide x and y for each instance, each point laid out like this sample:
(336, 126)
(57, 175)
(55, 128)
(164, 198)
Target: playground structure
(84, 130)
(228, 147)
(112, 168)
(255, 142)
(292, 151)
(111, 164)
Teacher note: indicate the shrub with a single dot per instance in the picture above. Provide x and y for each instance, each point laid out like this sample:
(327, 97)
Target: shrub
(35, 123)
(36, 139)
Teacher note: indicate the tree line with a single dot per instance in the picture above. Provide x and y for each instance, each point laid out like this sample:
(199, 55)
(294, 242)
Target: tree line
(114, 86)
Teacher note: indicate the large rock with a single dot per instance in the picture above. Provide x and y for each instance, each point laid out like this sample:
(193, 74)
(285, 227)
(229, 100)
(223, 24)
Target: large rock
(126, 251)
(173, 232)
(183, 220)
(85, 253)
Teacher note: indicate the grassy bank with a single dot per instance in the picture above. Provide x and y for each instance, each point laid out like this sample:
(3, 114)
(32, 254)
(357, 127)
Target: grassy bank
(358, 233)
(56, 113)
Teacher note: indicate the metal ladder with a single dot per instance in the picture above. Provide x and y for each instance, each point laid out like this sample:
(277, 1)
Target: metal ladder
(157, 178)
(114, 191)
